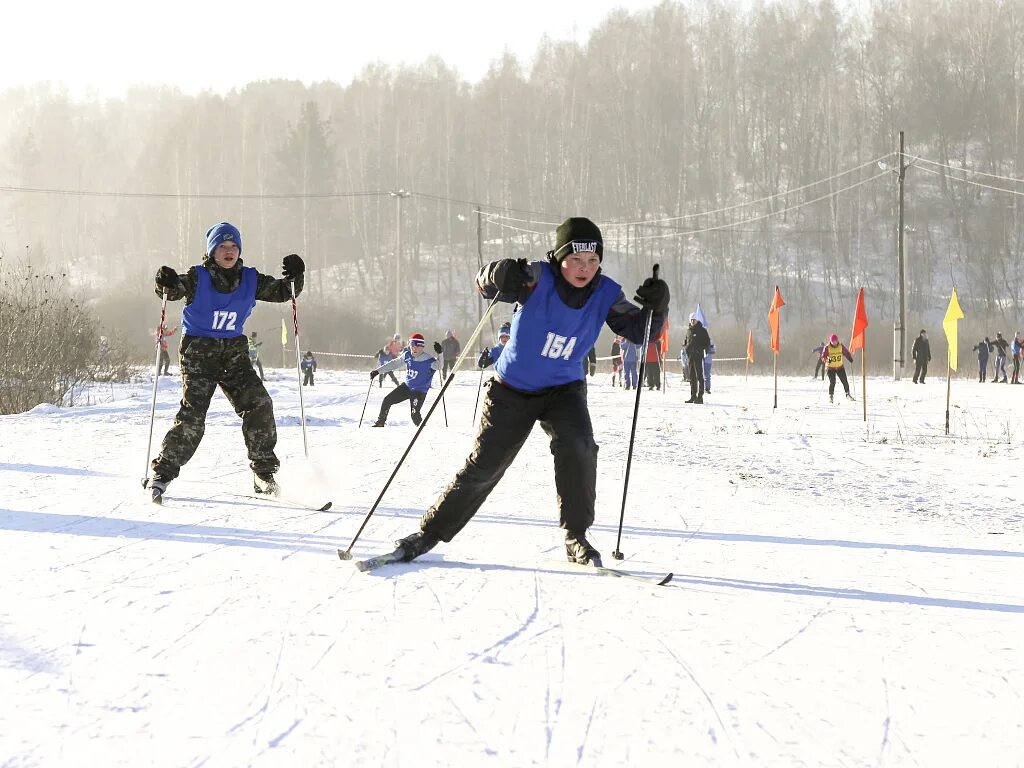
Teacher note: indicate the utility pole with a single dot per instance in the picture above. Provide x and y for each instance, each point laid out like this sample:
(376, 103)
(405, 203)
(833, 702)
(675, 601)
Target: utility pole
(899, 339)
(398, 256)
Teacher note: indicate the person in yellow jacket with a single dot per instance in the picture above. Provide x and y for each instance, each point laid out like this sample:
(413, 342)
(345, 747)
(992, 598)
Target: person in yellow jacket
(832, 355)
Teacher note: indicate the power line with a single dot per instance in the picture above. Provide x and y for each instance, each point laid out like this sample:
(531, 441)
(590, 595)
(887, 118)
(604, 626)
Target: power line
(970, 170)
(766, 215)
(975, 183)
(190, 195)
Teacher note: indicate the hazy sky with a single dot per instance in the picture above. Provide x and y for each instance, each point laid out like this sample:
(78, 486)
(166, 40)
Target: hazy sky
(220, 44)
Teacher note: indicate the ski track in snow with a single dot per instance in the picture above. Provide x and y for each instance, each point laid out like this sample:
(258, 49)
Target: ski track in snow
(846, 594)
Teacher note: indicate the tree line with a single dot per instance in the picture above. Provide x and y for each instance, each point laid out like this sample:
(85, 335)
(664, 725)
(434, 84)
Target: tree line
(741, 147)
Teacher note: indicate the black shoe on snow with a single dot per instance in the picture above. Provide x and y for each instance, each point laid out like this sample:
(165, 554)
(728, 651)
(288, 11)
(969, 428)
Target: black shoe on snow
(266, 484)
(416, 544)
(157, 488)
(579, 550)
(377, 424)
(849, 396)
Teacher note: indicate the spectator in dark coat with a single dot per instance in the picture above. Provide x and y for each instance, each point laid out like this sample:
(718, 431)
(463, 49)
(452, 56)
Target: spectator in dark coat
(819, 365)
(696, 343)
(922, 354)
(982, 348)
(450, 348)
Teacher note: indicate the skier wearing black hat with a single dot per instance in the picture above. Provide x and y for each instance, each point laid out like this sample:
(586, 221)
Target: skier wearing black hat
(219, 296)
(565, 301)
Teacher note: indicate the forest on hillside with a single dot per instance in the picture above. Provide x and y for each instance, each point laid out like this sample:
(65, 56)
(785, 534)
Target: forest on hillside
(741, 147)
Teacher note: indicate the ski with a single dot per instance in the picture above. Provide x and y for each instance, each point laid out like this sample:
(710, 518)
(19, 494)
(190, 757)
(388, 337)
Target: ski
(284, 502)
(376, 562)
(602, 570)
(396, 557)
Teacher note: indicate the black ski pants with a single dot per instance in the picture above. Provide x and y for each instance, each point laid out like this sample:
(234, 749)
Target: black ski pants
(163, 367)
(652, 372)
(400, 394)
(507, 420)
(307, 378)
(832, 374)
(920, 370)
(696, 366)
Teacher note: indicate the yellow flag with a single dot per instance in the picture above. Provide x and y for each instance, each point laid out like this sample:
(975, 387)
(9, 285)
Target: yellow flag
(953, 313)
(284, 334)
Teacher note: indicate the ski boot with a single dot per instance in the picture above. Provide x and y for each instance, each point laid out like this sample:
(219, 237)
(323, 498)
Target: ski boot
(157, 486)
(579, 550)
(415, 544)
(849, 396)
(377, 424)
(266, 484)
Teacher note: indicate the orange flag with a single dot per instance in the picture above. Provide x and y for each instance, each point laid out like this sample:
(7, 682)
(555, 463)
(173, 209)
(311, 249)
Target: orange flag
(773, 320)
(860, 324)
(664, 340)
(750, 346)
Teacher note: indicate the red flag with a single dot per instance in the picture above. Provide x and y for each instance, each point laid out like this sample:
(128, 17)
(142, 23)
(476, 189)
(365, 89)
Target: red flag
(750, 346)
(773, 320)
(664, 339)
(860, 323)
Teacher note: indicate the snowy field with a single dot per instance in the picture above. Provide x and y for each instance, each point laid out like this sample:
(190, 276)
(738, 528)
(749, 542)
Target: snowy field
(845, 594)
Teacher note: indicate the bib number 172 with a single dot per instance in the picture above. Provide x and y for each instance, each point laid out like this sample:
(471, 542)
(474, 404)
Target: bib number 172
(224, 321)
(558, 346)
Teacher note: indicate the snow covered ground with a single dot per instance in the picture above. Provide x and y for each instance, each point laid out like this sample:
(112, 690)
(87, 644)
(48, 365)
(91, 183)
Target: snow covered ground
(845, 594)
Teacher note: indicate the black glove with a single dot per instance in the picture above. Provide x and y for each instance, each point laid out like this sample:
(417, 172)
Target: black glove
(653, 295)
(437, 347)
(485, 359)
(292, 267)
(380, 352)
(374, 374)
(166, 277)
(512, 275)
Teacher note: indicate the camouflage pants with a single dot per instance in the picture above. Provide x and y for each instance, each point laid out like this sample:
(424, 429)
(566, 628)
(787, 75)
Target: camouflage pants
(205, 365)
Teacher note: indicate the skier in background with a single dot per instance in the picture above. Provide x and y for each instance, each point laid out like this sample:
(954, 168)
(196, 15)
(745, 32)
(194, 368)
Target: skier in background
(490, 356)
(419, 371)
(630, 362)
(1018, 352)
(539, 378)
(1002, 347)
(617, 361)
(308, 366)
(709, 357)
(164, 363)
(833, 356)
(219, 296)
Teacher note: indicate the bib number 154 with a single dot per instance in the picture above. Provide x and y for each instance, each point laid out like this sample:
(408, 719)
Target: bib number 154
(558, 346)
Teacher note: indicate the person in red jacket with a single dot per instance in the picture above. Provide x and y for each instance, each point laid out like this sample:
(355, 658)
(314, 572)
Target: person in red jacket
(832, 356)
(652, 367)
(163, 367)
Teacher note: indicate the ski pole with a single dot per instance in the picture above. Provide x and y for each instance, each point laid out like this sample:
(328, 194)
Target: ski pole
(632, 433)
(298, 368)
(346, 554)
(156, 380)
(363, 412)
(479, 386)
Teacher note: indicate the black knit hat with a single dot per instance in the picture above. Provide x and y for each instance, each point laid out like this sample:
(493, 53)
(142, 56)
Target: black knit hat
(575, 235)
